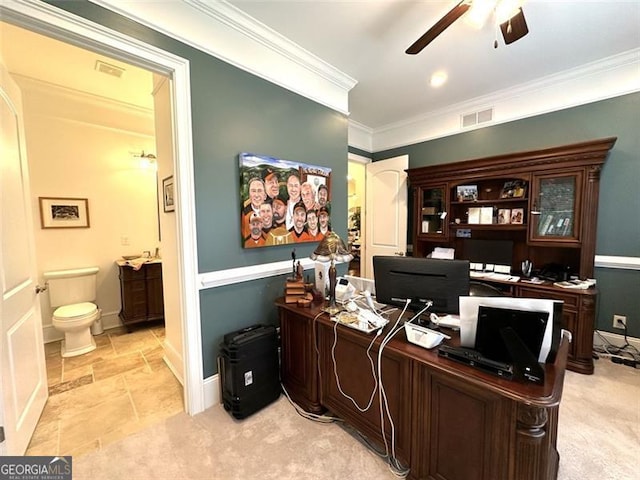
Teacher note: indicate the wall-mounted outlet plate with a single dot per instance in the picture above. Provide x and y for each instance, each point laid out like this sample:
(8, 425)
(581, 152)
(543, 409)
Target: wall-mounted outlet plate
(620, 321)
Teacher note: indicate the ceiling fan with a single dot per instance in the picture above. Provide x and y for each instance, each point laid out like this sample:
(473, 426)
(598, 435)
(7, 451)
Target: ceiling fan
(513, 28)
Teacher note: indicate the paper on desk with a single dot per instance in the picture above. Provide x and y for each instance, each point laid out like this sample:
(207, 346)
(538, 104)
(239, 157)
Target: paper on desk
(446, 253)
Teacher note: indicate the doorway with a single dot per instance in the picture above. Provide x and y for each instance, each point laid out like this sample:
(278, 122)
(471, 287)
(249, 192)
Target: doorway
(187, 372)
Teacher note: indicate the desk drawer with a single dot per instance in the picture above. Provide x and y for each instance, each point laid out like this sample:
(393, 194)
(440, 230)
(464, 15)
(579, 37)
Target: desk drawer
(570, 300)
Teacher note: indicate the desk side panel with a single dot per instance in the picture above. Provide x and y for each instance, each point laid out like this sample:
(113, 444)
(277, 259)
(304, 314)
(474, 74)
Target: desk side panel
(356, 379)
(459, 431)
(299, 365)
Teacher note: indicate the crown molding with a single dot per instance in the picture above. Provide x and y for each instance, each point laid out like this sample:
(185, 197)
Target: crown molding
(68, 104)
(225, 32)
(610, 77)
(48, 88)
(242, 22)
(360, 136)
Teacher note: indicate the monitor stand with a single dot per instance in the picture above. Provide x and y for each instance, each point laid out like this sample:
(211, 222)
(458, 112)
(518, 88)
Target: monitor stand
(524, 362)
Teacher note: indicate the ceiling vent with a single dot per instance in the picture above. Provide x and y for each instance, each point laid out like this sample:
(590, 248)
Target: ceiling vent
(475, 118)
(109, 69)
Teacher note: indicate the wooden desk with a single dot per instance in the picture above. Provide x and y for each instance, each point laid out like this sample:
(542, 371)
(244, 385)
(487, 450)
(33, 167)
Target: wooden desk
(452, 421)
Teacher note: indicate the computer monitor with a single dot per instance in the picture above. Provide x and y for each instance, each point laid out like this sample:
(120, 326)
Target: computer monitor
(529, 325)
(497, 252)
(470, 309)
(421, 280)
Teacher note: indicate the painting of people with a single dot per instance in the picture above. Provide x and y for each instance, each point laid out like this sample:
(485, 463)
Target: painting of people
(282, 201)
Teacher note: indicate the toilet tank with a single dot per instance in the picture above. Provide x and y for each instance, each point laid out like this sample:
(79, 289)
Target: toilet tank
(71, 286)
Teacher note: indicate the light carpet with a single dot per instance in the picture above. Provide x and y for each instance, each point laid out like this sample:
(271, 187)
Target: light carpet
(598, 438)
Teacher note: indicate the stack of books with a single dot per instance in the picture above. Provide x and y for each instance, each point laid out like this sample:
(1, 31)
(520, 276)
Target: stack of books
(296, 292)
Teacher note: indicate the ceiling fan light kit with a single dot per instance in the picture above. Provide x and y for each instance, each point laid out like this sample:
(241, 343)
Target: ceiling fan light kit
(508, 13)
(515, 28)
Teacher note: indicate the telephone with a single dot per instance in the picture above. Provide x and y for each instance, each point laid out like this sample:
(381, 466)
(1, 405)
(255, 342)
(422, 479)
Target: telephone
(344, 290)
(555, 272)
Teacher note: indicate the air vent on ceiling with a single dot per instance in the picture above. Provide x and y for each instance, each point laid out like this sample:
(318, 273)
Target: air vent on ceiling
(475, 118)
(109, 69)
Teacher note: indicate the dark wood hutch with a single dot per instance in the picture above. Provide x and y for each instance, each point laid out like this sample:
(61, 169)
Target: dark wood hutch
(547, 204)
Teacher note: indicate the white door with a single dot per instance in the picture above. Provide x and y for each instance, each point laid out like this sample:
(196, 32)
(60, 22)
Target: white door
(386, 210)
(23, 370)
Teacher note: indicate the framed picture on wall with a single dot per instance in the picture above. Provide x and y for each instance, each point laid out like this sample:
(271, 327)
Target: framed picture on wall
(168, 199)
(64, 212)
(282, 202)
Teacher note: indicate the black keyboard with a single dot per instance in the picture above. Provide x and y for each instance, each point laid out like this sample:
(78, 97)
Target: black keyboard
(474, 358)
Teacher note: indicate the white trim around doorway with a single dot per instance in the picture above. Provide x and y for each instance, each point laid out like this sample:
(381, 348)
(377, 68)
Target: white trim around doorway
(57, 23)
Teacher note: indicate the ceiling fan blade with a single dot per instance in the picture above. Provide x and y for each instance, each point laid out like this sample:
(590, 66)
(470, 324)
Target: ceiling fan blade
(442, 24)
(515, 28)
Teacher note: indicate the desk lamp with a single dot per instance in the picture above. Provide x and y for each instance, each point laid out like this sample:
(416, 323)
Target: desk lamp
(331, 249)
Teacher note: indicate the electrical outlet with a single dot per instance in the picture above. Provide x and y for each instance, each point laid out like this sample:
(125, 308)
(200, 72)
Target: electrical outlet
(620, 321)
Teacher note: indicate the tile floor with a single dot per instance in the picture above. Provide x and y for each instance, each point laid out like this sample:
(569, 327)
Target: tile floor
(94, 399)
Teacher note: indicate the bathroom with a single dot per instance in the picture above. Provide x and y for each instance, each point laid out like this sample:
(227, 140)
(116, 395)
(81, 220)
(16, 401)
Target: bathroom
(88, 146)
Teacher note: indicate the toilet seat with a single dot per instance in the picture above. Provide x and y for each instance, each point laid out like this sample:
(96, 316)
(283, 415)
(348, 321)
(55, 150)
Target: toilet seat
(75, 312)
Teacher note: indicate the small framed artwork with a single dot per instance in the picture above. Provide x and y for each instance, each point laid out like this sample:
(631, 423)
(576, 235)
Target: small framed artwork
(504, 215)
(467, 193)
(517, 215)
(168, 199)
(64, 212)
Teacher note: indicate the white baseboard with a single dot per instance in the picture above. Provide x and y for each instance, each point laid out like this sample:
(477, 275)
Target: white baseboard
(211, 387)
(50, 334)
(173, 360)
(109, 320)
(614, 338)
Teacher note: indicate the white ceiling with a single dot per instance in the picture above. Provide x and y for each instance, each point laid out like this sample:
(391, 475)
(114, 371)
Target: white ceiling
(59, 64)
(367, 40)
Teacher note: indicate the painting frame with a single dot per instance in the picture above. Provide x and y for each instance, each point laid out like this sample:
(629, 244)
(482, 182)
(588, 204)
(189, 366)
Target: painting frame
(273, 189)
(64, 212)
(168, 194)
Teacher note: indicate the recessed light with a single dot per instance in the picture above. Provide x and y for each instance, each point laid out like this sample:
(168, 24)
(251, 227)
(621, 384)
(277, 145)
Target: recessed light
(438, 79)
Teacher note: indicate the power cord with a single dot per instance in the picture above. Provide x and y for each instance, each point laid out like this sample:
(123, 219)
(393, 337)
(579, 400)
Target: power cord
(308, 415)
(373, 372)
(394, 465)
(618, 354)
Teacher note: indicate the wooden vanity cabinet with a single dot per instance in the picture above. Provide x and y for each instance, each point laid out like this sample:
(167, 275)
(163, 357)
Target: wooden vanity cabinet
(141, 293)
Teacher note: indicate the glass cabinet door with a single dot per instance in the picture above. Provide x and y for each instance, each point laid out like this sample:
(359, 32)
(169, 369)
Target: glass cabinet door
(432, 211)
(556, 207)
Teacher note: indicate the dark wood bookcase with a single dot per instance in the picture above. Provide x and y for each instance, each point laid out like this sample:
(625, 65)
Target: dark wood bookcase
(545, 202)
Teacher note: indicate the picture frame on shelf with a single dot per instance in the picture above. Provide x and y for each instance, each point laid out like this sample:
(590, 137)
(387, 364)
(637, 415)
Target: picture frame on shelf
(517, 216)
(514, 189)
(504, 215)
(64, 212)
(473, 216)
(486, 215)
(168, 194)
(467, 193)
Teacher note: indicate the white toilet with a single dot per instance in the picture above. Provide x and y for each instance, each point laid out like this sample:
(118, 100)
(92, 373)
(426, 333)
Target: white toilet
(73, 293)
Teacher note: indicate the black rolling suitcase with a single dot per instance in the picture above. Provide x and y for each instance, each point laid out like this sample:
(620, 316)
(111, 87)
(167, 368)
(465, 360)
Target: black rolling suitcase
(249, 369)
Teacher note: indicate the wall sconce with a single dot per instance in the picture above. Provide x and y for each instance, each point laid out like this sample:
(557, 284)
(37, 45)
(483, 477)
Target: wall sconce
(147, 160)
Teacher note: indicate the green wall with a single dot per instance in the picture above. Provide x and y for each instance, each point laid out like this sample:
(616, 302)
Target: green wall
(618, 231)
(232, 112)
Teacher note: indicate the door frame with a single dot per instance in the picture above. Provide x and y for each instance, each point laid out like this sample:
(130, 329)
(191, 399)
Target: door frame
(64, 26)
(355, 158)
